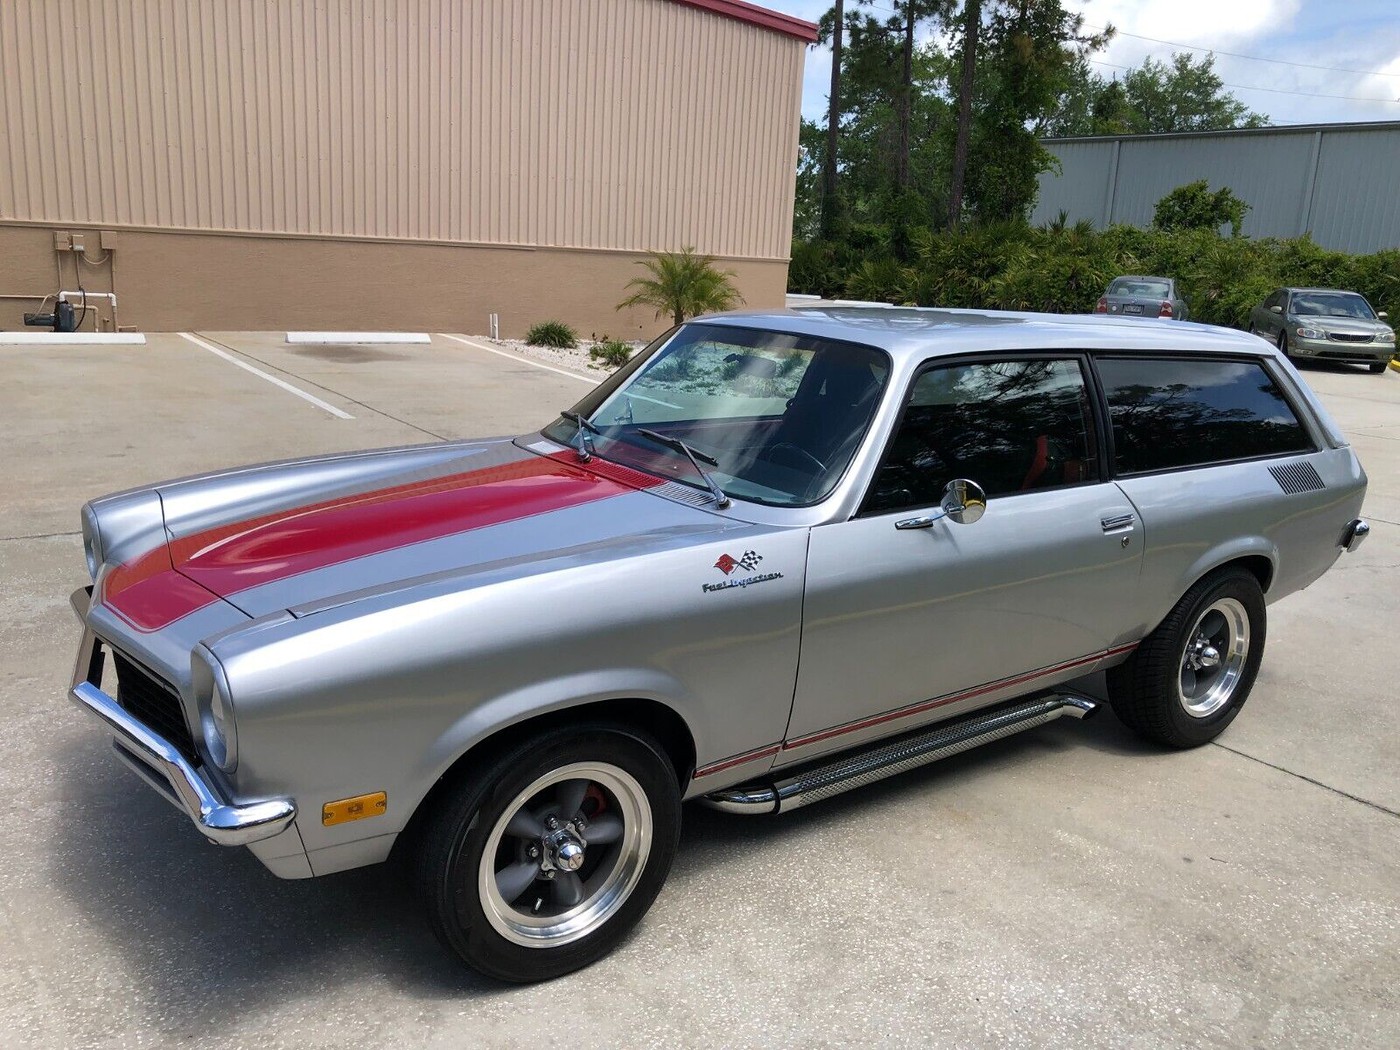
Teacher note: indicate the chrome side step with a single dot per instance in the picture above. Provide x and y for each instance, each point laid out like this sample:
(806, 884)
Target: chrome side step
(886, 760)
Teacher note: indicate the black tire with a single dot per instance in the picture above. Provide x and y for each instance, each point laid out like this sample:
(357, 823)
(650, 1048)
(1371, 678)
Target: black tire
(472, 916)
(1377, 367)
(1152, 694)
(1283, 345)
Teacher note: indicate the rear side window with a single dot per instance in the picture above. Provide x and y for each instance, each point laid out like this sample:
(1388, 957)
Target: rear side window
(1010, 426)
(1171, 413)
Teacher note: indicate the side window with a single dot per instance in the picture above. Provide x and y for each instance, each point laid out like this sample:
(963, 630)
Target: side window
(1010, 426)
(1170, 413)
(1274, 300)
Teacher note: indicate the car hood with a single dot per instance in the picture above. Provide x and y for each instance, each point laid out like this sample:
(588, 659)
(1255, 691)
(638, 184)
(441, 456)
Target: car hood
(306, 535)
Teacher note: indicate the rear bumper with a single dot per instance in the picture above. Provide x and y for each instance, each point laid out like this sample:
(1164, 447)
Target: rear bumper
(162, 765)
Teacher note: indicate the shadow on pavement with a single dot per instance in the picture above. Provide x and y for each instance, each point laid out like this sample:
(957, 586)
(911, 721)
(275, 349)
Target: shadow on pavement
(209, 931)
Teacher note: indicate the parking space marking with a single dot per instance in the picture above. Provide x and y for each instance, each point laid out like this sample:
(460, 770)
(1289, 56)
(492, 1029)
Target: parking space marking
(523, 360)
(338, 413)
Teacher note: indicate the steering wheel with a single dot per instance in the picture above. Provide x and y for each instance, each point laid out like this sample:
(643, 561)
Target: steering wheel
(798, 452)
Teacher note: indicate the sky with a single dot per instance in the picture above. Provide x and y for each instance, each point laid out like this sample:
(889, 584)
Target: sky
(1358, 39)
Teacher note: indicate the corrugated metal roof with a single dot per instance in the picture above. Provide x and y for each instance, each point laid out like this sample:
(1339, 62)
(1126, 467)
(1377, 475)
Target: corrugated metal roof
(759, 16)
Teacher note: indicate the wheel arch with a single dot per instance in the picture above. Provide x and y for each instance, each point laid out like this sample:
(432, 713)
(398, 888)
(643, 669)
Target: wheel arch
(655, 718)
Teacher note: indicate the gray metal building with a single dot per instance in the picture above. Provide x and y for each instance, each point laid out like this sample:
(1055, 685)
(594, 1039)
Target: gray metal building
(1335, 181)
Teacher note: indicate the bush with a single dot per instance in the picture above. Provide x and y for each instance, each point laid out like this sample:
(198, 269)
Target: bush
(1194, 207)
(552, 333)
(1064, 269)
(611, 352)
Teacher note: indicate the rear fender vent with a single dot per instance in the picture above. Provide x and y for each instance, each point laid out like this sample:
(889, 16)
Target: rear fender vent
(1296, 477)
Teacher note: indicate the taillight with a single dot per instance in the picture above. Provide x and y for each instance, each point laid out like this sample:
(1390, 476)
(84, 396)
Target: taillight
(1101, 307)
(1166, 310)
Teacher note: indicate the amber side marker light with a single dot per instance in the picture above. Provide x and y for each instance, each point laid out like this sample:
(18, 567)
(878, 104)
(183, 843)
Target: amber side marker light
(344, 810)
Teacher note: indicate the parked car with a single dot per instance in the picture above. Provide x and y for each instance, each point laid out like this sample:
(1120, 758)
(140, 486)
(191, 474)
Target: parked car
(1325, 324)
(1143, 297)
(773, 557)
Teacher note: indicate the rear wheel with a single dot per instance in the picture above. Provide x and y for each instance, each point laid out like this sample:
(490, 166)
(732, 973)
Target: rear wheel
(1189, 678)
(542, 863)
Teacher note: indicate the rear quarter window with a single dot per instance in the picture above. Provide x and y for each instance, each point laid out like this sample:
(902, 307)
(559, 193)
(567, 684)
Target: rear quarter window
(1169, 413)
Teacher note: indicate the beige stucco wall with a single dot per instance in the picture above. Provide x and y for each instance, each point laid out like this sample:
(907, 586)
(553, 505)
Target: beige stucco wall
(173, 281)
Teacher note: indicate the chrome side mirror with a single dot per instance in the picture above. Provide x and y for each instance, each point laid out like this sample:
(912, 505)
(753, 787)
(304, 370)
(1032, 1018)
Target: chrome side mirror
(1276, 309)
(964, 501)
(1382, 315)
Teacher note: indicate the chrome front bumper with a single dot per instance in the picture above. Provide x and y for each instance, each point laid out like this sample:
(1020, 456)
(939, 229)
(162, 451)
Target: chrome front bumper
(1354, 535)
(160, 763)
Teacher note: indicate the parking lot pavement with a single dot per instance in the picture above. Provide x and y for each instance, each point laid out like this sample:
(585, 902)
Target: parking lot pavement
(1068, 887)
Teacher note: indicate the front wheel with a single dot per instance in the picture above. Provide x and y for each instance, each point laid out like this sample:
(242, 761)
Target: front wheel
(1189, 678)
(1377, 367)
(542, 862)
(1283, 345)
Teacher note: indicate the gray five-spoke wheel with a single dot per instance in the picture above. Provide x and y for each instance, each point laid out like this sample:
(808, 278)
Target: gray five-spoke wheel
(565, 855)
(1214, 658)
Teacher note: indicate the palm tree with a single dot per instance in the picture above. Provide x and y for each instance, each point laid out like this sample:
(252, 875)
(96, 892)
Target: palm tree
(683, 284)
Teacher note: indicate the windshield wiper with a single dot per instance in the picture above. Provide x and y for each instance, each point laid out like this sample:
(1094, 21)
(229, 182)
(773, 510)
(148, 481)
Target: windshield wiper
(584, 448)
(721, 500)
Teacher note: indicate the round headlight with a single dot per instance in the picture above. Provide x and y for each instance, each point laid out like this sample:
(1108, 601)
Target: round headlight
(92, 543)
(217, 724)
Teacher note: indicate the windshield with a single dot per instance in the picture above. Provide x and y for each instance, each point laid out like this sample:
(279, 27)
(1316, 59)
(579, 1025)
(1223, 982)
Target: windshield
(1144, 286)
(1331, 304)
(781, 414)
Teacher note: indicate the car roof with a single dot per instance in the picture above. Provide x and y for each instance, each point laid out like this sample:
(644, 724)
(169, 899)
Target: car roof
(1138, 277)
(1329, 291)
(930, 331)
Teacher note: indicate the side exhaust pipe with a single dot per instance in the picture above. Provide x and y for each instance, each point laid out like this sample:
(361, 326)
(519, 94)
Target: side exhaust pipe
(886, 760)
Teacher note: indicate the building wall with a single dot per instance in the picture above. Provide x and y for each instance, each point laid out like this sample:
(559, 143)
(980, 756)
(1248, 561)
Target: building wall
(221, 282)
(1335, 182)
(613, 126)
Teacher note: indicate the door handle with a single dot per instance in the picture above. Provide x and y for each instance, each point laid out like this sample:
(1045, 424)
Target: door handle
(1117, 521)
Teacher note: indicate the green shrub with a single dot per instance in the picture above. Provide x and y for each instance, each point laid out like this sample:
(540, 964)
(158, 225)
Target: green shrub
(552, 333)
(612, 352)
(1194, 207)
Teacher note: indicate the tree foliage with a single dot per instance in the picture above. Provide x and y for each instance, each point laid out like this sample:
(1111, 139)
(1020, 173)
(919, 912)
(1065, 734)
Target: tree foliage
(1155, 97)
(683, 284)
(1194, 207)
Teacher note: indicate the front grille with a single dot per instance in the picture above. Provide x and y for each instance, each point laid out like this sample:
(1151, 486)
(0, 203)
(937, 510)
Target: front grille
(155, 704)
(1296, 477)
(1349, 337)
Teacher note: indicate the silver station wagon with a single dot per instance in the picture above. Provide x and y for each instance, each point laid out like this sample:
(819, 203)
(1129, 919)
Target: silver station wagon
(774, 557)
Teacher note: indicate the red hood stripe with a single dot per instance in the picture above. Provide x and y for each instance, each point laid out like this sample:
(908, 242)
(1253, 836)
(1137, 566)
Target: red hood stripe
(162, 586)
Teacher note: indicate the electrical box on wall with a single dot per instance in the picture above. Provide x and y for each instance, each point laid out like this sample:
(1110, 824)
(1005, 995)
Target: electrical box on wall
(107, 239)
(77, 242)
(61, 241)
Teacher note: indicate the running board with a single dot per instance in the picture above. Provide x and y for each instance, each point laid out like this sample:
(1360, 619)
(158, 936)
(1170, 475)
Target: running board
(886, 760)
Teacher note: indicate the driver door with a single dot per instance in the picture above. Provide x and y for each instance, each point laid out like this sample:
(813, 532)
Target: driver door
(904, 626)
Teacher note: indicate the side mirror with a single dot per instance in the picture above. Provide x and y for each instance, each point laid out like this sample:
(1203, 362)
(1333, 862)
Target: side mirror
(1382, 315)
(1276, 309)
(964, 501)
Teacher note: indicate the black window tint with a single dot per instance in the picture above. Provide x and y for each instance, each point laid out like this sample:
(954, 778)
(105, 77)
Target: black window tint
(1010, 426)
(1181, 413)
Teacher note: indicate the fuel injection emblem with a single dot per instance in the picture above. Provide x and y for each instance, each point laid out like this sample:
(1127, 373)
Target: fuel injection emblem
(747, 563)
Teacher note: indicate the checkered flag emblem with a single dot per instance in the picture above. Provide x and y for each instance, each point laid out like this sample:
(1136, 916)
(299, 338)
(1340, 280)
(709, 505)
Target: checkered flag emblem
(750, 561)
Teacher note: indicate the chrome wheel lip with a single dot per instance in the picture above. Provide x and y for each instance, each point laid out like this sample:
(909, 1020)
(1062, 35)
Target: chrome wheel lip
(611, 888)
(1216, 662)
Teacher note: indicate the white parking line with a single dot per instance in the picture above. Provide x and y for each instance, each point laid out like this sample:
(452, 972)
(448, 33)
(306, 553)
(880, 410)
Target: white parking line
(263, 375)
(523, 360)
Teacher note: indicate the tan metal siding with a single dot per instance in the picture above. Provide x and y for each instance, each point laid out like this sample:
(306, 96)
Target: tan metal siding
(623, 124)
